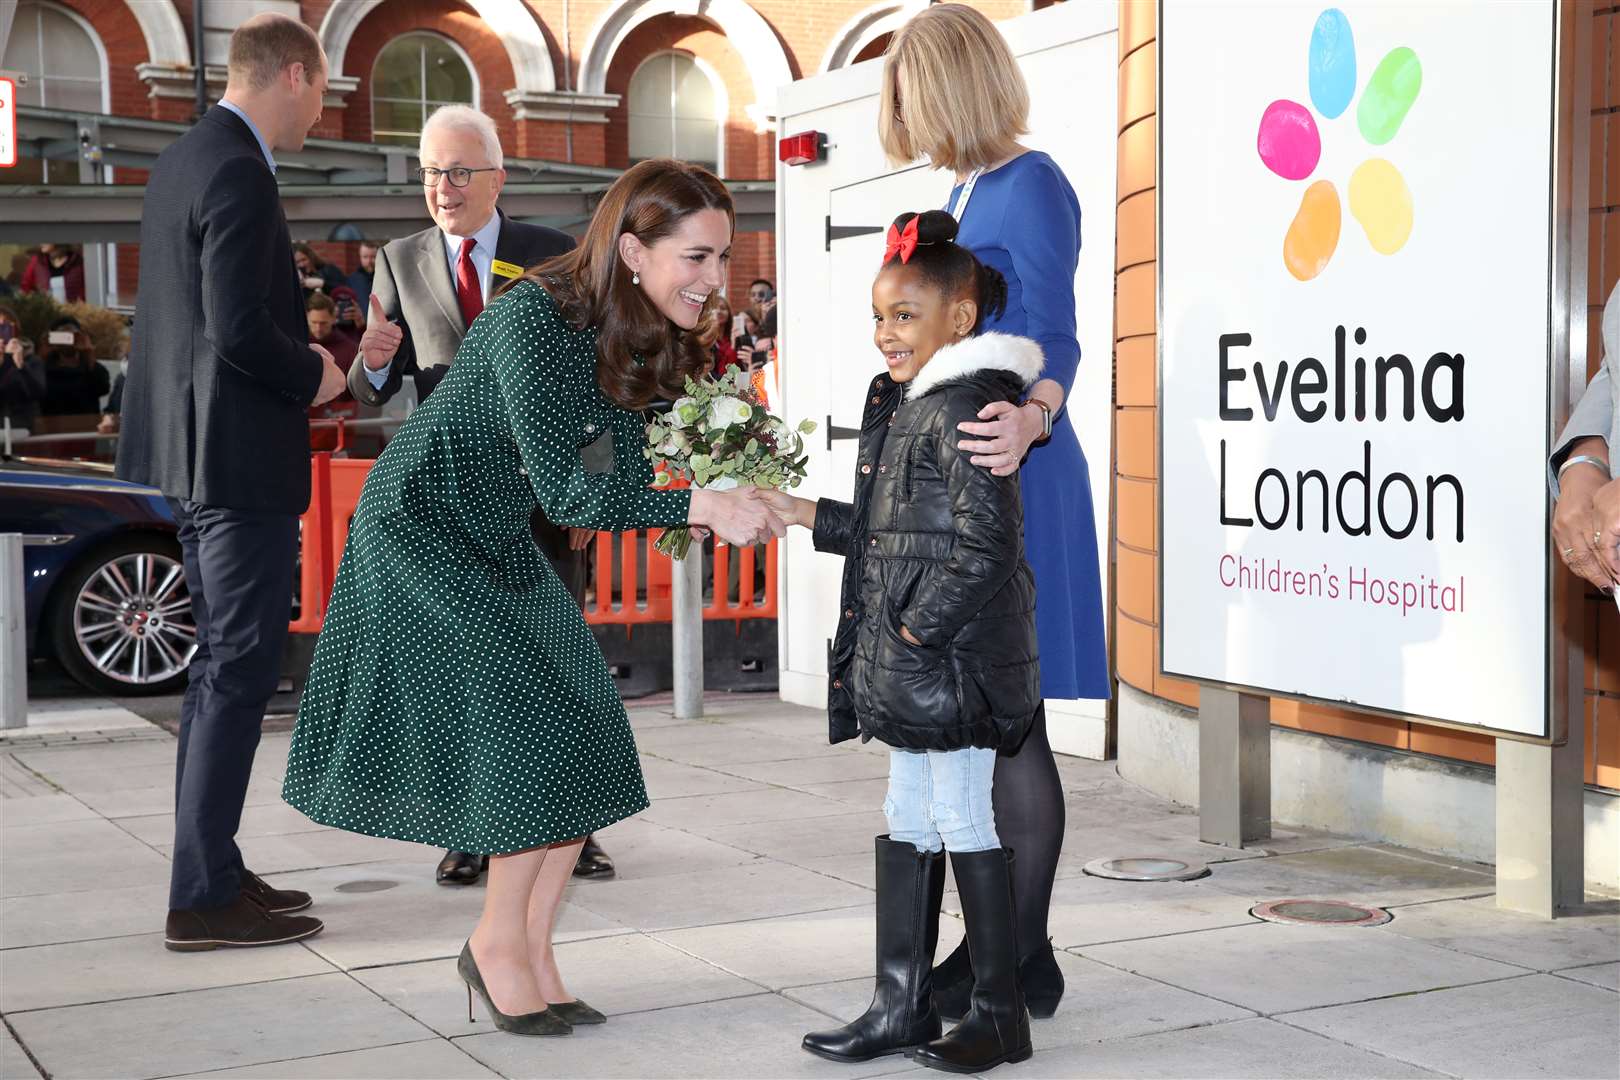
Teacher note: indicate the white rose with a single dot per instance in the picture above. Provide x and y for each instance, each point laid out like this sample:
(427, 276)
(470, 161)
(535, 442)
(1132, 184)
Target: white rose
(726, 411)
(685, 409)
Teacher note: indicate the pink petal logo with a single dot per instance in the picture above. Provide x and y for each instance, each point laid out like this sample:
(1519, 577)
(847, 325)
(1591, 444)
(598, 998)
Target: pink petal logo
(1290, 145)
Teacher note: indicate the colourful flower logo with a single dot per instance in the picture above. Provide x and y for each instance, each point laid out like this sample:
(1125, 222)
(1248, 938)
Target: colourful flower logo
(1290, 145)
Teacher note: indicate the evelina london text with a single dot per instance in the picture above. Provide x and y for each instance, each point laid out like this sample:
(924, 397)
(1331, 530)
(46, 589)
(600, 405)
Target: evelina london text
(1357, 585)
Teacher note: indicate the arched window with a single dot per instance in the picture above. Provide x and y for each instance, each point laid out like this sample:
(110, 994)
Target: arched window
(66, 68)
(676, 109)
(415, 74)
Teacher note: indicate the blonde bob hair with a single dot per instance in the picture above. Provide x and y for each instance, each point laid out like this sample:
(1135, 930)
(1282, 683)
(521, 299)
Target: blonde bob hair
(952, 92)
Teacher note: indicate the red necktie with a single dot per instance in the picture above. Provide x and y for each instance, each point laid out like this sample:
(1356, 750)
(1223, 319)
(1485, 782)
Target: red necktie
(468, 294)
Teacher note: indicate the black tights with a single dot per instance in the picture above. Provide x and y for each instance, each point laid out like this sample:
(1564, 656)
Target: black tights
(1028, 797)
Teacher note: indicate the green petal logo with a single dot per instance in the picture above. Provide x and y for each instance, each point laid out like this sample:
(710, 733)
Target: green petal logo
(1290, 145)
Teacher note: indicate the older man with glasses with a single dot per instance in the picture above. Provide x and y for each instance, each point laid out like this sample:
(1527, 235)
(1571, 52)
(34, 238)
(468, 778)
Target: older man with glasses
(427, 290)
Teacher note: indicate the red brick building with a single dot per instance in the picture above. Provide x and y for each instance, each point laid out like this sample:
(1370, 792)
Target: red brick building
(593, 82)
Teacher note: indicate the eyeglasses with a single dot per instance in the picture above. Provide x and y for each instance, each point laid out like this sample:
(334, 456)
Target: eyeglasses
(458, 177)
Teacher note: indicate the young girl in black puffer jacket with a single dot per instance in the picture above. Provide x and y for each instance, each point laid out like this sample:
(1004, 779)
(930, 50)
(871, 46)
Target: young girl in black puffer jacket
(935, 653)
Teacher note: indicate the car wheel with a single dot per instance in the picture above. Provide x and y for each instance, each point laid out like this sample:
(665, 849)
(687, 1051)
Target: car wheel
(121, 620)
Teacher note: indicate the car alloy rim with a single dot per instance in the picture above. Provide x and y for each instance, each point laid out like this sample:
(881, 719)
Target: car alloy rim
(132, 619)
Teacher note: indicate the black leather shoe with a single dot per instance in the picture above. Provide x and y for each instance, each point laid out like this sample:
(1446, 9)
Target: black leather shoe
(593, 861)
(901, 1017)
(462, 868)
(240, 924)
(275, 901)
(996, 1027)
(1038, 974)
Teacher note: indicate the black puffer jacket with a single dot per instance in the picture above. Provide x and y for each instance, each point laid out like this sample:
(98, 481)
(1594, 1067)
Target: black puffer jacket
(934, 543)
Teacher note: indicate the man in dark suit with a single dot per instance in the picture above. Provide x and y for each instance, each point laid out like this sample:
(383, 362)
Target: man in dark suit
(427, 290)
(215, 414)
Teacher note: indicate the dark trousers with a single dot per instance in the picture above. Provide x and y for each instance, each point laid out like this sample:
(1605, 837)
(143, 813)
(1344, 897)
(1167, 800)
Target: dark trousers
(239, 568)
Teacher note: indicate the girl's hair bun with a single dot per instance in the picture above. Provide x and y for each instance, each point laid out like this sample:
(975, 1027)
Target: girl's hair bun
(933, 226)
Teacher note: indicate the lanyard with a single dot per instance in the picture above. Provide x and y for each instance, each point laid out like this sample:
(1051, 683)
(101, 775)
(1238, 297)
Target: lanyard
(960, 206)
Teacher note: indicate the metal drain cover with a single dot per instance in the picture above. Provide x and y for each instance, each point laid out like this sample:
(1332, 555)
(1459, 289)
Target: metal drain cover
(1321, 913)
(372, 885)
(1146, 868)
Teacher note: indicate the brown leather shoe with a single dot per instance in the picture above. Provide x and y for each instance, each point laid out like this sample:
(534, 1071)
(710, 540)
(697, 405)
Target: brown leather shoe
(240, 924)
(275, 901)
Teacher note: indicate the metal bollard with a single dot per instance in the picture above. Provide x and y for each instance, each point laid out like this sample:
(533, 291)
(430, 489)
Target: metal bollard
(13, 634)
(686, 627)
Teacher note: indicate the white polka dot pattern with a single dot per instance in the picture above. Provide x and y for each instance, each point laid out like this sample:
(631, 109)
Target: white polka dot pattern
(457, 697)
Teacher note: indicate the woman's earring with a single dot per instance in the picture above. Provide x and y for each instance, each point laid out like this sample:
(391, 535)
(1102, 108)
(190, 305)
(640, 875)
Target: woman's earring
(635, 279)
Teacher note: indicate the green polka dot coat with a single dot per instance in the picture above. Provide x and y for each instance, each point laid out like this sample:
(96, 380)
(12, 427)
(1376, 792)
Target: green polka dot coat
(457, 697)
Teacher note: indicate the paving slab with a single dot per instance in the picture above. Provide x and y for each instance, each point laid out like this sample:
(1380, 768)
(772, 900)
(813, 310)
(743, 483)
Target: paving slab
(1481, 928)
(1270, 967)
(1604, 975)
(700, 813)
(1098, 1003)
(433, 1059)
(814, 947)
(77, 758)
(673, 780)
(1089, 910)
(721, 745)
(1365, 875)
(641, 849)
(1259, 1048)
(223, 1028)
(29, 811)
(837, 764)
(71, 856)
(75, 715)
(74, 973)
(744, 1037)
(14, 1063)
(1535, 1025)
(729, 894)
(53, 918)
(618, 975)
(263, 819)
(324, 847)
(841, 834)
(394, 913)
(159, 798)
(854, 794)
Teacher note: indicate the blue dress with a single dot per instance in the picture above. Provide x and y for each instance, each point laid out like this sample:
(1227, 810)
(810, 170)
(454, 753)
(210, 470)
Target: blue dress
(1024, 220)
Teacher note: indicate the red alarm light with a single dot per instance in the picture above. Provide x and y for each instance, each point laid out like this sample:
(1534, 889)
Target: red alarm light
(801, 149)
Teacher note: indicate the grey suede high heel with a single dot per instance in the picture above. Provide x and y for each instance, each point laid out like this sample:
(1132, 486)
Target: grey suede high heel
(544, 1022)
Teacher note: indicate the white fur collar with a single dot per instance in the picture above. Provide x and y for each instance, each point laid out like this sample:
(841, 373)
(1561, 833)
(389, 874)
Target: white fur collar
(999, 352)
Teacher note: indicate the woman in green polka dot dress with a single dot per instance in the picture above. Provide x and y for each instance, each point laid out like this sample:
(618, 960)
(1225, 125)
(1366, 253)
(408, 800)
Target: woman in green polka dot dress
(457, 697)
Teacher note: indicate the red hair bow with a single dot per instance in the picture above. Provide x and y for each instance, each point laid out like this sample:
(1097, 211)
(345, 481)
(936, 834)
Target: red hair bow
(901, 242)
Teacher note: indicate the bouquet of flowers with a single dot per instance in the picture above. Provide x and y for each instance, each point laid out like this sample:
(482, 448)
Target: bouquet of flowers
(719, 436)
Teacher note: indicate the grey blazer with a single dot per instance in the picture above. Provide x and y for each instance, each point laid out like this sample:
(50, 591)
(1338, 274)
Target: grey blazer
(1598, 411)
(414, 284)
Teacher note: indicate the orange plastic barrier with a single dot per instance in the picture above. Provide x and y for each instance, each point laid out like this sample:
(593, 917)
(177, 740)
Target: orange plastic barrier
(621, 599)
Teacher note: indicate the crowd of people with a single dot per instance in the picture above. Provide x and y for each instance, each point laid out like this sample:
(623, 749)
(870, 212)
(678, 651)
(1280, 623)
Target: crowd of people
(457, 697)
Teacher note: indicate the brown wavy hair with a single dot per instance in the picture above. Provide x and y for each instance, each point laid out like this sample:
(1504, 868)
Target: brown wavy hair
(592, 287)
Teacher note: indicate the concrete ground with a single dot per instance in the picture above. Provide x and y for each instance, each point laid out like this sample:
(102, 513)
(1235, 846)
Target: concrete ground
(740, 919)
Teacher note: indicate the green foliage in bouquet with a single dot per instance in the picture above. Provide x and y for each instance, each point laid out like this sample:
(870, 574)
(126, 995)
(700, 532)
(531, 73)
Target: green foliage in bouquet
(719, 436)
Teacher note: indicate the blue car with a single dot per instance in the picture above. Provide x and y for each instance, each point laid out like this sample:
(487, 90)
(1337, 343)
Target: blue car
(106, 591)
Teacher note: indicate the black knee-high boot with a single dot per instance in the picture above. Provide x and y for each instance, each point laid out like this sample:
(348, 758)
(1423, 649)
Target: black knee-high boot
(1029, 820)
(910, 885)
(996, 1027)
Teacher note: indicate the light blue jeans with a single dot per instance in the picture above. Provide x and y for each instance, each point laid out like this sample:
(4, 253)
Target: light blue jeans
(942, 797)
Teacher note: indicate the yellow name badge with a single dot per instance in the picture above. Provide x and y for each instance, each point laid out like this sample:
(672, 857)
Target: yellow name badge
(506, 269)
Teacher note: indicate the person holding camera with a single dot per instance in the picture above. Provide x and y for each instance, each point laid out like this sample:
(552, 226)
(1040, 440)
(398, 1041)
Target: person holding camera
(22, 377)
(75, 382)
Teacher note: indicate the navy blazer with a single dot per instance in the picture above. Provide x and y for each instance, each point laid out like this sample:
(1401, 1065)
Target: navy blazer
(220, 379)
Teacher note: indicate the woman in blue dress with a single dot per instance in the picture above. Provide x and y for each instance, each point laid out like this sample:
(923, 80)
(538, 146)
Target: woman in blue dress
(953, 93)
